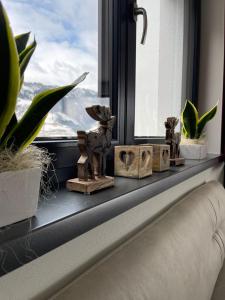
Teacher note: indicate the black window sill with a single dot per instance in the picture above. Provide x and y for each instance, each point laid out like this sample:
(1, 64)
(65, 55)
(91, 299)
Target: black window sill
(67, 215)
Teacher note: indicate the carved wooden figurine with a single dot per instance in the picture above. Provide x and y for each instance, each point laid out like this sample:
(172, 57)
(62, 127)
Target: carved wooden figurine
(173, 140)
(94, 146)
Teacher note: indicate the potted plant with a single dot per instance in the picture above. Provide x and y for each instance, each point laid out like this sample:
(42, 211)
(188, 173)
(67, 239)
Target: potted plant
(193, 143)
(21, 165)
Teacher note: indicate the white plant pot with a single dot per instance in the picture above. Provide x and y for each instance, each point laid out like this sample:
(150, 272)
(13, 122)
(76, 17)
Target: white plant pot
(193, 149)
(19, 194)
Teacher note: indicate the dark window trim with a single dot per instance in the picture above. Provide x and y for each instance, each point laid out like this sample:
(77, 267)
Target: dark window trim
(109, 66)
(151, 140)
(128, 50)
(194, 41)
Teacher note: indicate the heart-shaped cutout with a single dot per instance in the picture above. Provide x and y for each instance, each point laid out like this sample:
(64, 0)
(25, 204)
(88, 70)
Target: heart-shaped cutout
(144, 156)
(127, 158)
(165, 156)
(146, 159)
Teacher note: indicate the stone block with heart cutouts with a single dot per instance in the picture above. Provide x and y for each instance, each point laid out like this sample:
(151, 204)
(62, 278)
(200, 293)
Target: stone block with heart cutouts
(133, 161)
(161, 157)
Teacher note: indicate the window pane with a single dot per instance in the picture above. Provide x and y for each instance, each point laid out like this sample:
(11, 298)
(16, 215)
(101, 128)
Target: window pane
(159, 66)
(67, 35)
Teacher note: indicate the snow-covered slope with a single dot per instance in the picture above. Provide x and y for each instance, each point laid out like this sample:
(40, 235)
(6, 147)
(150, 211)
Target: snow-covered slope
(68, 115)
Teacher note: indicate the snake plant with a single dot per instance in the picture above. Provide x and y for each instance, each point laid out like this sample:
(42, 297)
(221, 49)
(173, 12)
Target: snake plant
(192, 125)
(14, 58)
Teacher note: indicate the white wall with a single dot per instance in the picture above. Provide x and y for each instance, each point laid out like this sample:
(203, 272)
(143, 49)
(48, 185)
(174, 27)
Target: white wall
(211, 67)
(49, 273)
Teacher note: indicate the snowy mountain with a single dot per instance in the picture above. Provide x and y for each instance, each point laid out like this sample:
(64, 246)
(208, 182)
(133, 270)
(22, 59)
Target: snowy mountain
(68, 115)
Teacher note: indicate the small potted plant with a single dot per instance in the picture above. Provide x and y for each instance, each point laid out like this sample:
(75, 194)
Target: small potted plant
(21, 165)
(193, 143)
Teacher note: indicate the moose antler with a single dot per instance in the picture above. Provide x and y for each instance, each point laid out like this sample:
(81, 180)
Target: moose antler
(171, 123)
(99, 113)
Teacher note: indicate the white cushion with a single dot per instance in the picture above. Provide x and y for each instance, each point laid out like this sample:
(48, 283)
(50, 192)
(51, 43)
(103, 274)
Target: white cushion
(178, 257)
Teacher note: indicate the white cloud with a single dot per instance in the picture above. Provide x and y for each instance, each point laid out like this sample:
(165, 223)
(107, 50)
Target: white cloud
(67, 37)
(61, 64)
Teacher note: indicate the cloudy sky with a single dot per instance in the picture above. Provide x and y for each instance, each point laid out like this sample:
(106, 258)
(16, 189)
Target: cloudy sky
(67, 37)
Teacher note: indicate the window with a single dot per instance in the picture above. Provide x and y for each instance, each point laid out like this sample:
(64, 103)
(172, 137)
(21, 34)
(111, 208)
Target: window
(67, 37)
(159, 66)
(76, 36)
(142, 84)
(163, 73)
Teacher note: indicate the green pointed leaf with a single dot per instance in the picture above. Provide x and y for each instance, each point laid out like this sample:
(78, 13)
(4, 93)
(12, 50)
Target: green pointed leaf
(184, 132)
(27, 50)
(205, 119)
(32, 121)
(21, 82)
(189, 118)
(25, 57)
(9, 72)
(21, 41)
(33, 134)
(10, 127)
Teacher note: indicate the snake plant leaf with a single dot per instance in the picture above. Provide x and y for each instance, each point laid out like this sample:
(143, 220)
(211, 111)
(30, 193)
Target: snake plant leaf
(12, 124)
(27, 50)
(33, 134)
(21, 41)
(204, 119)
(189, 119)
(21, 81)
(184, 132)
(9, 72)
(32, 121)
(25, 57)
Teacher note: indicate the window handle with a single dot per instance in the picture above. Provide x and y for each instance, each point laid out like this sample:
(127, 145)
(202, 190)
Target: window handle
(141, 11)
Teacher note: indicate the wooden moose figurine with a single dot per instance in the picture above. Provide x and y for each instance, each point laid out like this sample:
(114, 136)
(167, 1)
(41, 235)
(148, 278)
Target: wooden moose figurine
(173, 140)
(94, 146)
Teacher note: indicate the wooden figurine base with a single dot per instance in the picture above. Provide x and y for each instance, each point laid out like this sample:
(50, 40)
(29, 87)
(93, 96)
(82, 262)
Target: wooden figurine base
(177, 162)
(87, 187)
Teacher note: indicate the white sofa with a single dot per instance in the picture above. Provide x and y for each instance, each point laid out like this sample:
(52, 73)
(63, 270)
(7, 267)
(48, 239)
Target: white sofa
(178, 257)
